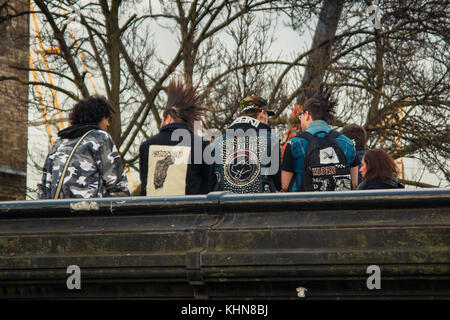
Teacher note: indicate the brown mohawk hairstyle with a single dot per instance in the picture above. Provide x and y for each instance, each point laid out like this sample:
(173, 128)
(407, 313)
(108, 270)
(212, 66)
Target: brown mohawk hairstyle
(320, 104)
(184, 102)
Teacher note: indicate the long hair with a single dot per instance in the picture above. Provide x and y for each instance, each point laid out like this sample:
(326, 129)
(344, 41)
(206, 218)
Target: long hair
(183, 102)
(320, 104)
(380, 166)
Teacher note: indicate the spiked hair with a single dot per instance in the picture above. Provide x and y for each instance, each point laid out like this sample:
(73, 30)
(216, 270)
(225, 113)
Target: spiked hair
(183, 103)
(320, 104)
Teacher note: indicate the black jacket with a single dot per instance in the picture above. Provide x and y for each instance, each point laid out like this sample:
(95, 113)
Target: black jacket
(367, 185)
(172, 168)
(242, 169)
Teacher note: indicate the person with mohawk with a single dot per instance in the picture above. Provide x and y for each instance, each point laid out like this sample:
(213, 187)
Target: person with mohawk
(319, 158)
(169, 162)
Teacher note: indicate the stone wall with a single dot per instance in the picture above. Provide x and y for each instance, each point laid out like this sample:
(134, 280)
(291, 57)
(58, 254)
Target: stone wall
(14, 52)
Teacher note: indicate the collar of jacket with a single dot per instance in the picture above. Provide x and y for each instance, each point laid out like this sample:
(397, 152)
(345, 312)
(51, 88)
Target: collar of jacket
(248, 122)
(318, 125)
(77, 130)
(173, 126)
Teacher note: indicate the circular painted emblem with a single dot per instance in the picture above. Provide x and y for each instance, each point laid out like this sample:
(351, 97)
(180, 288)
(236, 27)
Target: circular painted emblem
(241, 168)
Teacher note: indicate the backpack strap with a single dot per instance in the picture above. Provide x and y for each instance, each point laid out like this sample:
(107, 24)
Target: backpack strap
(317, 133)
(305, 135)
(333, 134)
(308, 136)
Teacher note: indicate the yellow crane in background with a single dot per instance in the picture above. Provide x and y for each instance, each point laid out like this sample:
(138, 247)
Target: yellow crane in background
(40, 57)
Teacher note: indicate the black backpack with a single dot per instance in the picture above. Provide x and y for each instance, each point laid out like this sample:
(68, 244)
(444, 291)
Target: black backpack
(325, 166)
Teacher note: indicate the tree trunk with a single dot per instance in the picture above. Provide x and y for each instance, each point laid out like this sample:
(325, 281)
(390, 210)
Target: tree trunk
(373, 116)
(113, 52)
(320, 58)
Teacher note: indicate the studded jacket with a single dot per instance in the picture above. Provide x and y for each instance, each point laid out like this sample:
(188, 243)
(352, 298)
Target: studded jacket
(247, 158)
(95, 170)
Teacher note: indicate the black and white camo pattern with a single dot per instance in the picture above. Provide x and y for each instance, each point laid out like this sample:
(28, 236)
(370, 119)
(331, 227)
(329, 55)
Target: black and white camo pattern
(95, 170)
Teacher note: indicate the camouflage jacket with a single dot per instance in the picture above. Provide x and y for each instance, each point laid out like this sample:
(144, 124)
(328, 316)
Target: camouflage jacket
(95, 170)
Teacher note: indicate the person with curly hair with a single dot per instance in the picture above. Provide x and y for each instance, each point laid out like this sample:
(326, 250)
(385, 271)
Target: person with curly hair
(379, 171)
(319, 159)
(95, 169)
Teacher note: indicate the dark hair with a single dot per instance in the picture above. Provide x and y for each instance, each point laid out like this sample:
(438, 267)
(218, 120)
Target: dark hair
(320, 105)
(380, 166)
(183, 103)
(91, 110)
(252, 115)
(356, 133)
